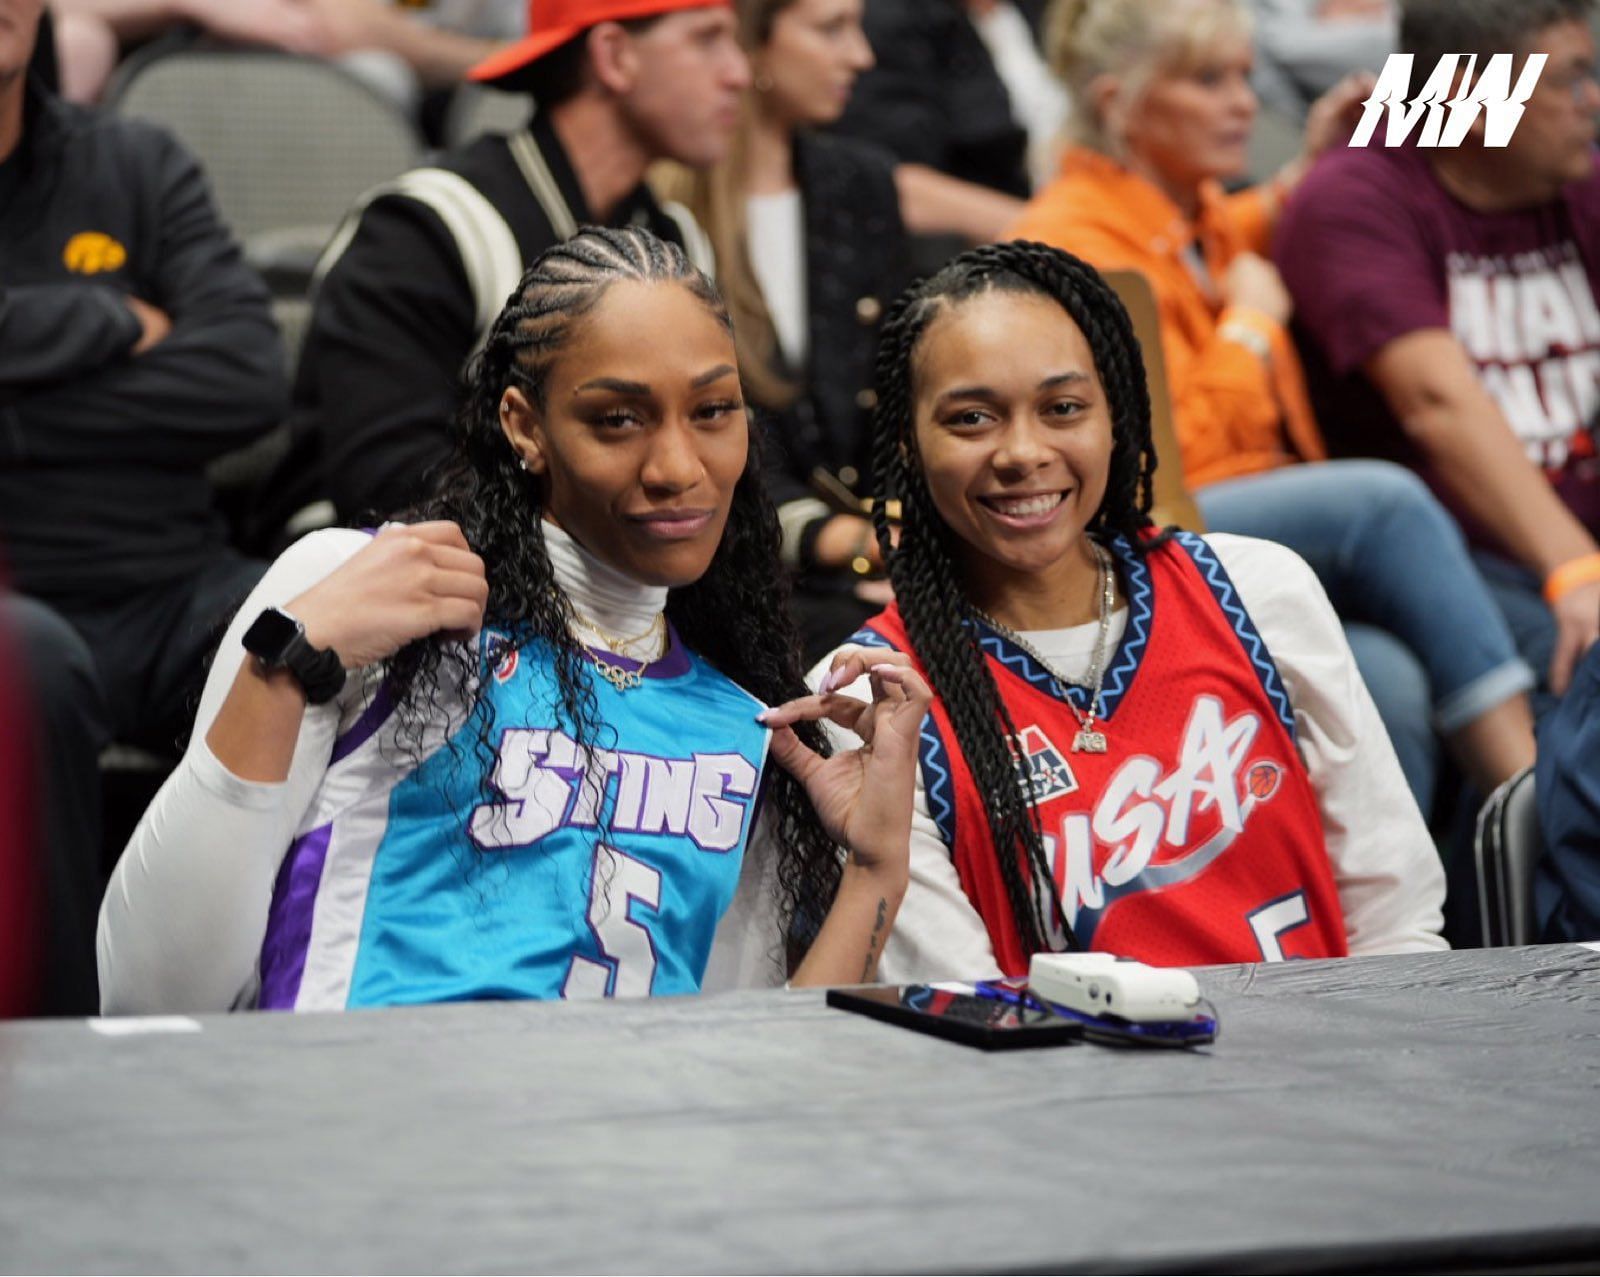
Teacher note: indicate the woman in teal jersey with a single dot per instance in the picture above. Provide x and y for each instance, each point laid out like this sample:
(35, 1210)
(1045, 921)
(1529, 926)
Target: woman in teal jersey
(546, 775)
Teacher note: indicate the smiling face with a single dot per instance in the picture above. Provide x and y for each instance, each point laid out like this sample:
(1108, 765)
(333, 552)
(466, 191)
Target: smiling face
(1014, 432)
(810, 62)
(641, 436)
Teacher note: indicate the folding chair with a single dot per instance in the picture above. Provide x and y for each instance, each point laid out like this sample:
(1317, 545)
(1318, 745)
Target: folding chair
(289, 144)
(1505, 850)
(1173, 504)
(242, 477)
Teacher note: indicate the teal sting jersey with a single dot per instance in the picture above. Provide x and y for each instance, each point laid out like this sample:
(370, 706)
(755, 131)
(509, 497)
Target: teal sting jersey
(418, 883)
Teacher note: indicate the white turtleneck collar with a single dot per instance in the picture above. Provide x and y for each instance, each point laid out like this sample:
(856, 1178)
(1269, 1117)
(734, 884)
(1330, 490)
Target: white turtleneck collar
(612, 600)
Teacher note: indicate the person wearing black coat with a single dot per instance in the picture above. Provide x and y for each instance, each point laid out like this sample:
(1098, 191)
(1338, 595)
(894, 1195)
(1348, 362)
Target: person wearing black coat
(136, 347)
(961, 97)
(811, 250)
(407, 290)
(935, 98)
(819, 464)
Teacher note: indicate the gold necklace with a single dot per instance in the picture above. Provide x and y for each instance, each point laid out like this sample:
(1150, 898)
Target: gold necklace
(618, 676)
(1087, 741)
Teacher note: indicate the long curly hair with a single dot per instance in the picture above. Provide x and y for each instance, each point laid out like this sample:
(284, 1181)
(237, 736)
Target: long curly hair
(925, 567)
(735, 616)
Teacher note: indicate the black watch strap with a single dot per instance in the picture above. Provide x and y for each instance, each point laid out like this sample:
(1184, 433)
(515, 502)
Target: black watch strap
(279, 641)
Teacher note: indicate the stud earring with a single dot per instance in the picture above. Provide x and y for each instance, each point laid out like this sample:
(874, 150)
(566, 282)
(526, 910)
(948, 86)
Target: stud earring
(522, 463)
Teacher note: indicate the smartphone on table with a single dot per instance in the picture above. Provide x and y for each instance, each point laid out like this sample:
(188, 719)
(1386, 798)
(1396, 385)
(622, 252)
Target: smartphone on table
(960, 1013)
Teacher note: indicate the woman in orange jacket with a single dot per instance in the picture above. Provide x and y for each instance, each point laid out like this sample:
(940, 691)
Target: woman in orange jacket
(1163, 112)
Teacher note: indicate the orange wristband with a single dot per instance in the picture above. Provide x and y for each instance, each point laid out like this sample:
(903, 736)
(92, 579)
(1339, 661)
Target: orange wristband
(1570, 575)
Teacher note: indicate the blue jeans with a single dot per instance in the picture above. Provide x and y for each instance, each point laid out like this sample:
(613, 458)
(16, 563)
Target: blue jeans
(1428, 639)
(1519, 594)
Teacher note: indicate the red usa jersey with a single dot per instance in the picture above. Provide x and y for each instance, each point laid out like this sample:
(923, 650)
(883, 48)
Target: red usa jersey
(1196, 837)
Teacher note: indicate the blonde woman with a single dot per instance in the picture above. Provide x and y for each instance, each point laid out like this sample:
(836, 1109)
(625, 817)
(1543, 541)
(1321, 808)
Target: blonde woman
(1163, 116)
(810, 250)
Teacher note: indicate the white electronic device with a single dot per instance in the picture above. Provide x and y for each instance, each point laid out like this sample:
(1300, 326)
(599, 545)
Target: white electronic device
(1103, 984)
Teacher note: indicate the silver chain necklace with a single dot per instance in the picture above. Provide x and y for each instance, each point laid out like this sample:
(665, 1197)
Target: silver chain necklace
(1087, 741)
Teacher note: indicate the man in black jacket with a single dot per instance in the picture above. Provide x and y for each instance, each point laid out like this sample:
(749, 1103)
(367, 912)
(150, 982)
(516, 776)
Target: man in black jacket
(935, 98)
(414, 283)
(936, 101)
(135, 348)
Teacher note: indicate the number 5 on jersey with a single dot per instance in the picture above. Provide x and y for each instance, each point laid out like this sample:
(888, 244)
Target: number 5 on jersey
(620, 887)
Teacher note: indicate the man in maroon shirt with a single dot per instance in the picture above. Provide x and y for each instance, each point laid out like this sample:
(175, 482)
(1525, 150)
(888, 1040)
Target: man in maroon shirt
(1448, 302)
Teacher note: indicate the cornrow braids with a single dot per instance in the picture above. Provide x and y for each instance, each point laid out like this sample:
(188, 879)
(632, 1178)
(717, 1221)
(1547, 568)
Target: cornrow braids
(734, 616)
(925, 566)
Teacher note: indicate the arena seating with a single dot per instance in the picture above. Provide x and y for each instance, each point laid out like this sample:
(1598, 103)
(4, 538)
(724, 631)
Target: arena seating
(1173, 502)
(1507, 846)
(288, 143)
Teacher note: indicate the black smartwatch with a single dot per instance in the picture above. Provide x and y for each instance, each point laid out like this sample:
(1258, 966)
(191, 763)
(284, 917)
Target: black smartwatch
(278, 641)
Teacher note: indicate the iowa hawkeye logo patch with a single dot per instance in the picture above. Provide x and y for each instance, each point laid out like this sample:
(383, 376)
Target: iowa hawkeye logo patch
(93, 253)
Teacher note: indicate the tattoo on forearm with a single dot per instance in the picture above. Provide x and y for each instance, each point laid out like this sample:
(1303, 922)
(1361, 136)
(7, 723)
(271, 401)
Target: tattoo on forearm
(875, 941)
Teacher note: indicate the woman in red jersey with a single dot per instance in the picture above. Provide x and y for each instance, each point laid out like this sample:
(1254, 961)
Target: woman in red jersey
(1150, 743)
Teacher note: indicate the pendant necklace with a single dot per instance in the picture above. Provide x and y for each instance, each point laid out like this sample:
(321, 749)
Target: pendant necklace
(619, 677)
(1088, 740)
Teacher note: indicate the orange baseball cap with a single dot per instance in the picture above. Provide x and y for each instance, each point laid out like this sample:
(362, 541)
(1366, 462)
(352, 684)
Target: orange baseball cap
(551, 23)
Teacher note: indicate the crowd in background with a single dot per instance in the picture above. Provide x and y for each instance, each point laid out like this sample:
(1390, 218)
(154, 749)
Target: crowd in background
(1386, 359)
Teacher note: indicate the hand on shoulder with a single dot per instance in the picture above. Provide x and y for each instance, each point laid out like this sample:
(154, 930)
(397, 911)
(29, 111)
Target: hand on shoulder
(409, 581)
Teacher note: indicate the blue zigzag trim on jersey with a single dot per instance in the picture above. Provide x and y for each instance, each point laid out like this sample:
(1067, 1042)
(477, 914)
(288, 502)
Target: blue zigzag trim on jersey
(936, 782)
(1250, 639)
(1124, 662)
(867, 638)
(1141, 608)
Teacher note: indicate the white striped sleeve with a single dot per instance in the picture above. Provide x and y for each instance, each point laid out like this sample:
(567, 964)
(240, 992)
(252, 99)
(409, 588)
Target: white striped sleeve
(184, 915)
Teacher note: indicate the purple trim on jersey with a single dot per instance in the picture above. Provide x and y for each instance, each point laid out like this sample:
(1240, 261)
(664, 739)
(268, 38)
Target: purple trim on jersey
(673, 663)
(362, 730)
(294, 897)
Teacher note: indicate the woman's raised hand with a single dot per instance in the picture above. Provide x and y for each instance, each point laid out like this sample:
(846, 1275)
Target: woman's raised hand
(1252, 281)
(863, 797)
(1329, 123)
(411, 581)
(1332, 117)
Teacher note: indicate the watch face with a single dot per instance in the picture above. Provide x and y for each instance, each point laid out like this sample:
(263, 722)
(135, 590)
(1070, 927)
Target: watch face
(271, 632)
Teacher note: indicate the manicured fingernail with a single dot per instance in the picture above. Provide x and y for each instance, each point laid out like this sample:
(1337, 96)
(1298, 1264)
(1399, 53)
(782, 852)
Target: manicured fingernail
(887, 671)
(766, 716)
(830, 680)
